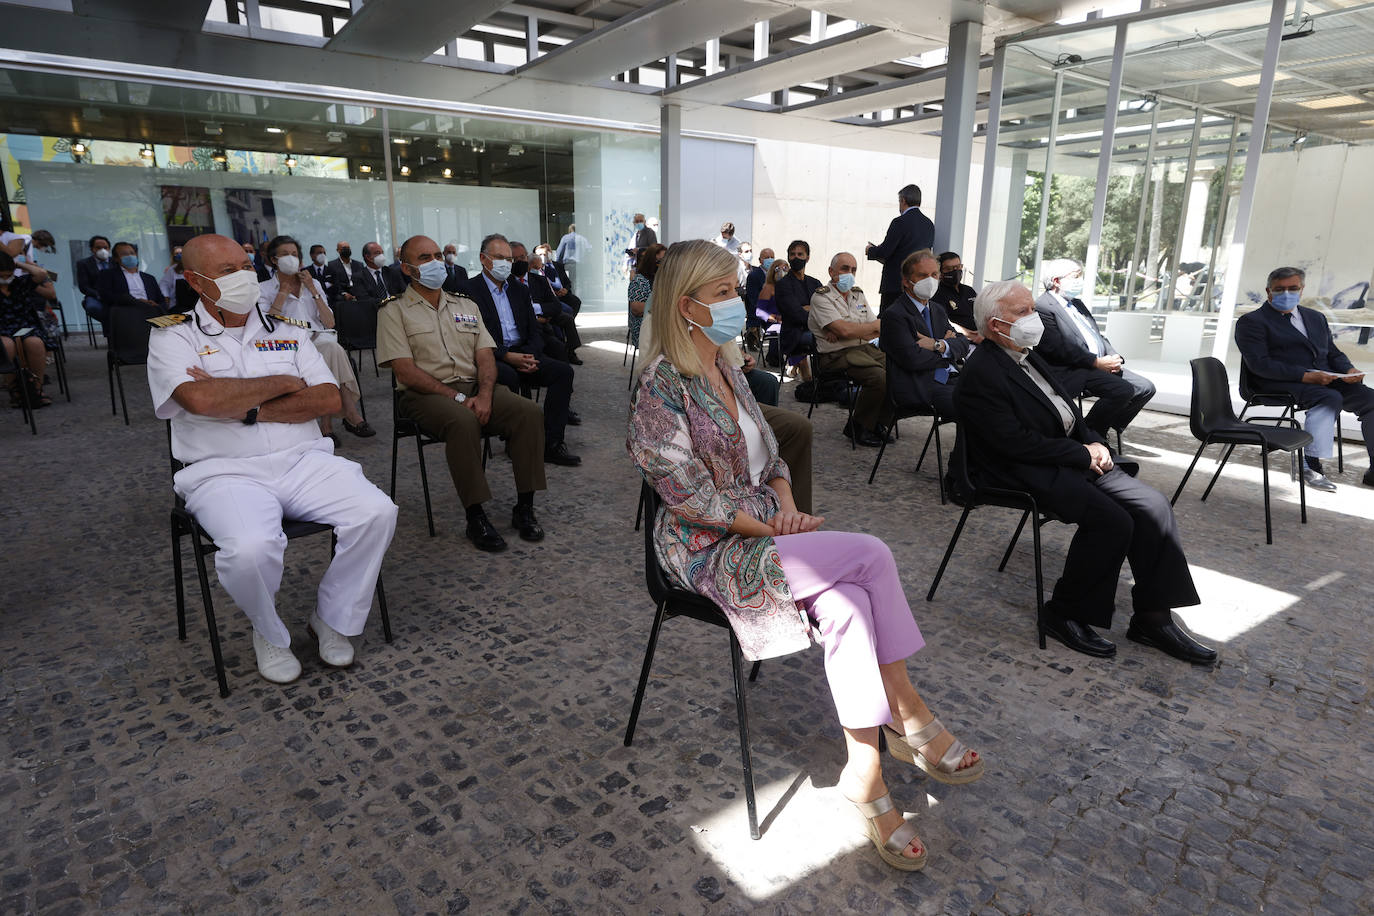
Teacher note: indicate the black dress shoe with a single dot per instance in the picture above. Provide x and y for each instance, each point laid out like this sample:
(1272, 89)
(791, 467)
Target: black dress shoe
(1079, 637)
(574, 359)
(1369, 478)
(484, 535)
(522, 519)
(574, 418)
(363, 430)
(1170, 639)
(559, 454)
(861, 436)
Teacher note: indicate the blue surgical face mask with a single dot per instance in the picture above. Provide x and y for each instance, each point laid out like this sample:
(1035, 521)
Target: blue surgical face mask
(766, 263)
(638, 226)
(727, 320)
(433, 273)
(1287, 300)
(844, 282)
(129, 262)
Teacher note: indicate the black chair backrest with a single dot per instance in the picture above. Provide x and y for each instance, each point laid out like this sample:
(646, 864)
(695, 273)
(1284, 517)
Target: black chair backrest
(654, 578)
(1211, 401)
(129, 329)
(356, 323)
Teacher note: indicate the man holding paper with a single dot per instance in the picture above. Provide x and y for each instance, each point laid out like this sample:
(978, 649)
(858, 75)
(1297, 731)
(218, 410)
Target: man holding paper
(1288, 349)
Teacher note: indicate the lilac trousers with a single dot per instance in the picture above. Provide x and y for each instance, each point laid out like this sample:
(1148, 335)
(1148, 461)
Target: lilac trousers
(849, 586)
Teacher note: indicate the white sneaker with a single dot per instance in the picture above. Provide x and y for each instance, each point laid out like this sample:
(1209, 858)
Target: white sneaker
(277, 665)
(335, 649)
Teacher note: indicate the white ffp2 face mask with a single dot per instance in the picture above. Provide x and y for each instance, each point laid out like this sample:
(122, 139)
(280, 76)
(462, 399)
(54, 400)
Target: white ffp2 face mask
(925, 287)
(288, 264)
(238, 291)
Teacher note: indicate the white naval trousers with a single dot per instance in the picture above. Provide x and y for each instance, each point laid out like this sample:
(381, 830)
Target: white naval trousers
(240, 503)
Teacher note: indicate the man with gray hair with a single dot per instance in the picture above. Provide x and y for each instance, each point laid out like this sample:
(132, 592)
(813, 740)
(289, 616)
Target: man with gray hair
(1022, 432)
(1288, 349)
(844, 328)
(1081, 357)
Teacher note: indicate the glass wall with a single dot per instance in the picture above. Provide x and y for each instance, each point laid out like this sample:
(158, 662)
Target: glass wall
(156, 164)
(1176, 167)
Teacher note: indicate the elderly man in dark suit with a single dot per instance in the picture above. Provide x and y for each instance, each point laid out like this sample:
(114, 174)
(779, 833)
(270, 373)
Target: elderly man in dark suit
(922, 346)
(910, 231)
(1082, 358)
(128, 285)
(1024, 433)
(1288, 349)
(508, 313)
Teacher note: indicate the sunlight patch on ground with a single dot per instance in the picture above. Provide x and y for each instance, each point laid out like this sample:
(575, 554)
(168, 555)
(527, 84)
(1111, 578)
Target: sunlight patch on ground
(1231, 605)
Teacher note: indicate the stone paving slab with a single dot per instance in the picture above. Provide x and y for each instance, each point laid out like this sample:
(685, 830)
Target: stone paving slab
(477, 765)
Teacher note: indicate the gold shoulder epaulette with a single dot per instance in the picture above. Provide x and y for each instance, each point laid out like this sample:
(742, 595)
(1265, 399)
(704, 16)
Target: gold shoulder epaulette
(387, 301)
(167, 321)
(824, 289)
(856, 289)
(294, 322)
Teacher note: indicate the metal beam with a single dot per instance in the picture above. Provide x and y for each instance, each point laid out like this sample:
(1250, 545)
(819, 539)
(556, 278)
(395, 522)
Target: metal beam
(1147, 170)
(1047, 183)
(883, 95)
(670, 173)
(583, 9)
(178, 14)
(409, 29)
(651, 32)
(1235, 258)
(956, 134)
(999, 69)
(801, 64)
(1183, 212)
(1104, 167)
(1219, 224)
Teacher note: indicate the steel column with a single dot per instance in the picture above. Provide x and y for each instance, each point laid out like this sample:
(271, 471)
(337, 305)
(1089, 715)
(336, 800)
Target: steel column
(1183, 210)
(956, 134)
(1219, 226)
(670, 173)
(999, 69)
(390, 184)
(1048, 182)
(1104, 168)
(1146, 171)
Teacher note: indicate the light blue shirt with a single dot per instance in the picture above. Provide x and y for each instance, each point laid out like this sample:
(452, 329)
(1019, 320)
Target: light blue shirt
(510, 332)
(570, 248)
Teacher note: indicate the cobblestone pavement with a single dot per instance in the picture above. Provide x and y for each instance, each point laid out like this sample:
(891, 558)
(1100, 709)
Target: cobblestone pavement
(476, 764)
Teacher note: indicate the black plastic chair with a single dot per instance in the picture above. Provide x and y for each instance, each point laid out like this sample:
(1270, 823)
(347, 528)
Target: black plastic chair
(678, 602)
(184, 524)
(403, 427)
(1256, 397)
(936, 421)
(971, 496)
(129, 329)
(1212, 419)
(10, 366)
(356, 324)
(820, 377)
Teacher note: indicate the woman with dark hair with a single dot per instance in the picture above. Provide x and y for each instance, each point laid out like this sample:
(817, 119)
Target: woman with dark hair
(642, 284)
(292, 292)
(22, 307)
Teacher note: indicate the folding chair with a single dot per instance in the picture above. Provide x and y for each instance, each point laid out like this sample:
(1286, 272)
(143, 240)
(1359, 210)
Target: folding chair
(129, 330)
(936, 421)
(1251, 390)
(402, 427)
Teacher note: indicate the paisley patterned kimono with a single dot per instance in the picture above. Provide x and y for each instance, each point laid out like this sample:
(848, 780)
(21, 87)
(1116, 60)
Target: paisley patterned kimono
(693, 453)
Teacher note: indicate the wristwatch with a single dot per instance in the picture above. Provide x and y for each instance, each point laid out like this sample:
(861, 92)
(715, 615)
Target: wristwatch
(459, 397)
(251, 417)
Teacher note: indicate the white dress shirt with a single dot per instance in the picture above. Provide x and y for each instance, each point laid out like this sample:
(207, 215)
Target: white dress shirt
(1085, 327)
(135, 281)
(1065, 412)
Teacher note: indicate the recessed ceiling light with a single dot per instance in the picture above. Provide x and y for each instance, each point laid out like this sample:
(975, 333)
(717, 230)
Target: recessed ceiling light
(405, 170)
(335, 136)
(291, 162)
(275, 130)
(220, 156)
(78, 147)
(365, 169)
(448, 173)
(146, 152)
(399, 141)
(1252, 79)
(1333, 101)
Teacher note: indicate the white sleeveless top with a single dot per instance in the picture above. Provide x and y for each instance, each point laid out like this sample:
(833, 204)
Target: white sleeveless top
(753, 441)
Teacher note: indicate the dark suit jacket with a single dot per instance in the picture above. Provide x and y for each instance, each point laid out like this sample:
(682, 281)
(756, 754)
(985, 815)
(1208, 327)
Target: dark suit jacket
(541, 291)
(910, 367)
(645, 237)
(396, 280)
(1015, 436)
(368, 290)
(114, 289)
(792, 298)
(522, 306)
(1061, 346)
(958, 304)
(570, 302)
(457, 277)
(910, 231)
(753, 285)
(342, 278)
(88, 274)
(1277, 355)
(322, 277)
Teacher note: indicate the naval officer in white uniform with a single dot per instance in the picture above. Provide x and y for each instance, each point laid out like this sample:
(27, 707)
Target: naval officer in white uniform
(243, 394)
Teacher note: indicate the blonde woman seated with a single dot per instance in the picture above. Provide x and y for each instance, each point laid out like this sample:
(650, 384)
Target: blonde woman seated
(292, 292)
(729, 529)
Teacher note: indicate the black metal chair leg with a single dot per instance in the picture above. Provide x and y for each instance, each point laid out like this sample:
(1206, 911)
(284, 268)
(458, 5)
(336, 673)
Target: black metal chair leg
(109, 377)
(199, 552)
(754, 672)
(180, 583)
(1188, 473)
(926, 447)
(1302, 489)
(1039, 586)
(395, 443)
(639, 513)
(878, 460)
(940, 463)
(424, 483)
(644, 672)
(1268, 527)
(119, 378)
(949, 551)
(1217, 475)
(1014, 538)
(742, 712)
(381, 605)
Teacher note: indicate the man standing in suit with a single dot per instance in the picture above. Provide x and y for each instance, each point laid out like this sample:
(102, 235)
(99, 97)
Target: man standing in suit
(319, 269)
(129, 285)
(1288, 349)
(457, 275)
(343, 273)
(921, 345)
(910, 231)
(88, 273)
(1082, 359)
(1024, 433)
(508, 313)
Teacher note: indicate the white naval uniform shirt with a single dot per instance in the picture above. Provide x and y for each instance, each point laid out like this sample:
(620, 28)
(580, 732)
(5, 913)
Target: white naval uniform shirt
(301, 307)
(228, 446)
